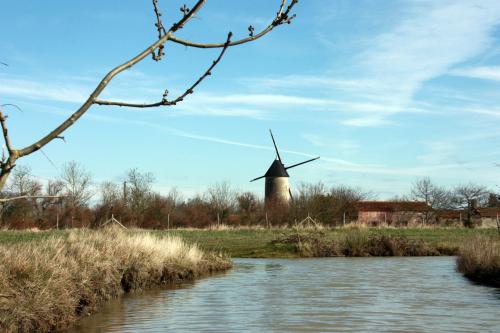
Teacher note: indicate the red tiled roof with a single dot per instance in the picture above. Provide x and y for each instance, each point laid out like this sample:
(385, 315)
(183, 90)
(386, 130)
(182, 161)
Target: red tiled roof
(391, 206)
(492, 212)
(451, 213)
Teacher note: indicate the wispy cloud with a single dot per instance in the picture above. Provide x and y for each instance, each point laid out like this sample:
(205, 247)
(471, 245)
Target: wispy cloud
(366, 121)
(36, 90)
(383, 79)
(482, 72)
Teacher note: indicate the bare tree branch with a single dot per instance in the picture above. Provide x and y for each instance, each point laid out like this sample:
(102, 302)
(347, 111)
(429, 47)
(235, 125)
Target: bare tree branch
(161, 32)
(280, 18)
(13, 105)
(156, 49)
(3, 63)
(5, 133)
(3, 200)
(165, 101)
(104, 82)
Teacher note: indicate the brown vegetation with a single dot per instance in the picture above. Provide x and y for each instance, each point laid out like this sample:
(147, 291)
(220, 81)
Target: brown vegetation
(46, 285)
(358, 243)
(479, 260)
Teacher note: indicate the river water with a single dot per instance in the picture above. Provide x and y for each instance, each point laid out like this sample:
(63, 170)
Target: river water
(419, 294)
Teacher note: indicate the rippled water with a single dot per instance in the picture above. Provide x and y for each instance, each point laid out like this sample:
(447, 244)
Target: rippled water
(422, 294)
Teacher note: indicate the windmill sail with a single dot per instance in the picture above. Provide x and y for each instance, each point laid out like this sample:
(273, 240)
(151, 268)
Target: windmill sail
(294, 165)
(257, 178)
(275, 147)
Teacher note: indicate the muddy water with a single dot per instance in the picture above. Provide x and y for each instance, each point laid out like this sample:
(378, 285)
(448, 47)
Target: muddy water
(422, 294)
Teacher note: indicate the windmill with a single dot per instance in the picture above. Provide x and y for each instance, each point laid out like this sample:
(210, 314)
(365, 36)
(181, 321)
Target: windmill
(277, 185)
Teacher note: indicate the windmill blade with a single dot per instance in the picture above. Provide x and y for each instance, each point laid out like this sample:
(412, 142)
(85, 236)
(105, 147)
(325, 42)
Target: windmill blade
(275, 147)
(294, 165)
(257, 178)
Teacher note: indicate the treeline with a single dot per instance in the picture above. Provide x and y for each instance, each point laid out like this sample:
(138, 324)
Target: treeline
(74, 200)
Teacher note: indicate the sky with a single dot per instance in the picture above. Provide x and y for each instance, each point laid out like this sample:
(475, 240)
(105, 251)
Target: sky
(386, 92)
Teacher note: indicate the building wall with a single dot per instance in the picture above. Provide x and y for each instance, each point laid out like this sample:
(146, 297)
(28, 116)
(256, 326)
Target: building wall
(393, 218)
(488, 222)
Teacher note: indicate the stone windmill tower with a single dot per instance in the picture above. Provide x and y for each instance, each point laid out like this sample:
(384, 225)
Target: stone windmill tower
(277, 186)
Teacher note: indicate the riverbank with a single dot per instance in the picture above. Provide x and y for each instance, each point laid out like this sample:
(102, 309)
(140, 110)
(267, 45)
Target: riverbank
(479, 260)
(49, 283)
(279, 243)
(286, 243)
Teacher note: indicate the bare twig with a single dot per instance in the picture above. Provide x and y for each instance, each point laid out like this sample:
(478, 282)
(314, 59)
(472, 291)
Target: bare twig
(48, 158)
(165, 101)
(282, 16)
(3, 63)
(104, 82)
(161, 32)
(156, 48)
(13, 105)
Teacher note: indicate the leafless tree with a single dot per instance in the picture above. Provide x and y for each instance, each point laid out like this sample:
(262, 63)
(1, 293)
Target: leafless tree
(221, 198)
(77, 184)
(310, 200)
(156, 50)
(54, 188)
(23, 190)
(247, 202)
(139, 189)
(110, 193)
(434, 196)
(343, 199)
(493, 200)
(467, 196)
(23, 183)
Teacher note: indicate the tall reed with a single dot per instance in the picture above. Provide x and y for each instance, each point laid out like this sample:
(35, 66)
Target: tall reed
(47, 284)
(479, 260)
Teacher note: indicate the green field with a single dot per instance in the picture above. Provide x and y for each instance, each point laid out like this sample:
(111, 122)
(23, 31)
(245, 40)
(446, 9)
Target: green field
(258, 243)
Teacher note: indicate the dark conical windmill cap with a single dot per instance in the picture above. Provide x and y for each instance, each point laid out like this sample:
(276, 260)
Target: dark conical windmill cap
(277, 169)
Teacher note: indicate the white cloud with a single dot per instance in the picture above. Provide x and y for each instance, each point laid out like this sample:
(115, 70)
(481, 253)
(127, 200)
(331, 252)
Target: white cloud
(437, 152)
(483, 72)
(366, 121)
(36, 90)
(383, 79)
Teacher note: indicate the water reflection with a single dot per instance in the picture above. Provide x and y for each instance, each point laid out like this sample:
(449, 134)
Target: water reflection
(313, 295)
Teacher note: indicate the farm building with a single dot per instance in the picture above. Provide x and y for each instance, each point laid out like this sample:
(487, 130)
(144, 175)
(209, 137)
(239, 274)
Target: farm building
(391, 212)
(481, 217)
(452, 217)
(489, 216)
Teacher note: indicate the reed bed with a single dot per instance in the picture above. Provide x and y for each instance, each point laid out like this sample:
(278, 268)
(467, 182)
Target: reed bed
(46, 285)
(479, 260)
(359, 243)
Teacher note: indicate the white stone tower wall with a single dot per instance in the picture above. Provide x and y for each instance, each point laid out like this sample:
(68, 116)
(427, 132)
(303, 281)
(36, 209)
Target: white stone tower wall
(277, 189)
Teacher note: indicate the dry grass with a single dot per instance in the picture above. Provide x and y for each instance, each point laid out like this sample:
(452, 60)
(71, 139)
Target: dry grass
(357, 243)
(479, 260)
(46, 285)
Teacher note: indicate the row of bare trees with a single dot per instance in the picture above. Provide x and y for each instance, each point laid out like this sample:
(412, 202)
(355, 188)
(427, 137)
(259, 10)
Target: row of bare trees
(75, 200)
(466, 197)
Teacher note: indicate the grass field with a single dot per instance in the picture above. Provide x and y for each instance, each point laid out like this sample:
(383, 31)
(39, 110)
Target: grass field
(258, 243)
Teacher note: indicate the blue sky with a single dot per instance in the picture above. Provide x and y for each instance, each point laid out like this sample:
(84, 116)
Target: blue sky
(384, 91)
